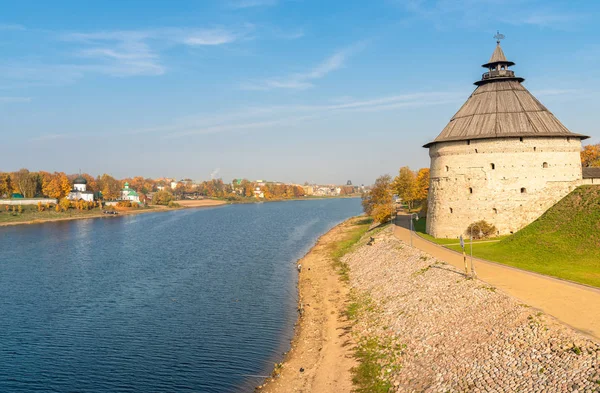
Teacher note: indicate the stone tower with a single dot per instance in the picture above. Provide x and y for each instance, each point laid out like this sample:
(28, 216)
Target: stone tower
(503, 158)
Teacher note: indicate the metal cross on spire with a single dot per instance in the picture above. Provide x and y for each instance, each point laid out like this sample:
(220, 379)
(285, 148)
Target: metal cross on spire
(498, 37)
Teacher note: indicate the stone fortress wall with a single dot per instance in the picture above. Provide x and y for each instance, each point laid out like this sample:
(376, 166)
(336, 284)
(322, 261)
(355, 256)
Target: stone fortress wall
(508, 182)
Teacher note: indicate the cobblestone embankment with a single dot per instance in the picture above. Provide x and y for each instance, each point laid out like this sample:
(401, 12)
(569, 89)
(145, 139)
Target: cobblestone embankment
(461, 335)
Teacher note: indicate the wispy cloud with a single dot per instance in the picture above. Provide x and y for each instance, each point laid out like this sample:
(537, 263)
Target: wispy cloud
(137, 52)
(14, 99)
(241, 4)
(306, 80)
(7, 26)
(48, 137)
(268, 117)
(116, 53)
(444, 14)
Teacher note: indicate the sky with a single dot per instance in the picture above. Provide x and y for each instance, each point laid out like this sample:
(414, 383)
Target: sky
(286, 90)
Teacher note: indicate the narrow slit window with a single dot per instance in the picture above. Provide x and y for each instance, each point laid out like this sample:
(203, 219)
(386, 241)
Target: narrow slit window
(468, 142)
(451, 210)
(545, 165)
(521, 139)
(470, 190)
(493, 166)
(495, 211)
(523, 190)
(447, 168)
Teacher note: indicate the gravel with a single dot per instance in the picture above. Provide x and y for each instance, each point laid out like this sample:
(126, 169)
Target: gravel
(462, 335)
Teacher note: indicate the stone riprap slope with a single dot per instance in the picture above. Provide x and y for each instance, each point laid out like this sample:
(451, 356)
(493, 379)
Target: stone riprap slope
(458, 334)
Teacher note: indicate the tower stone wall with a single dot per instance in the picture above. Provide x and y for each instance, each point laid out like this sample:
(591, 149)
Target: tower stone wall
(508, 182)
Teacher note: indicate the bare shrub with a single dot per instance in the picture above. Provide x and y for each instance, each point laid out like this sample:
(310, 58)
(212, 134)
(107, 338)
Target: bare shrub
(481, 230)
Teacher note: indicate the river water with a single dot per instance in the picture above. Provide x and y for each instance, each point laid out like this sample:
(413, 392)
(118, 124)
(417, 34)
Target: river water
(200, 300)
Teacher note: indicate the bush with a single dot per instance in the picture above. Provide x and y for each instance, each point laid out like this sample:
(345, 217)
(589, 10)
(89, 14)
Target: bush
(65, 204)
(162, 197)
(481, 230)
(173, 204)
(124, 204)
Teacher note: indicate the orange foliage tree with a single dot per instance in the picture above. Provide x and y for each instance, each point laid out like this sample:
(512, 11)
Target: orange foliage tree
(590, 155)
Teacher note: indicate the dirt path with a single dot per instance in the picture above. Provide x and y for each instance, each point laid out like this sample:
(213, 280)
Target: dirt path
(573, 304)
(322, 346)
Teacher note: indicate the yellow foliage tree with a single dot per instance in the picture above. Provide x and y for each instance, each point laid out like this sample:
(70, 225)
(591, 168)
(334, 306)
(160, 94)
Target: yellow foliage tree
(65, 184)
(378, 202)
(422, 186)
(405, 186)
(590, 155)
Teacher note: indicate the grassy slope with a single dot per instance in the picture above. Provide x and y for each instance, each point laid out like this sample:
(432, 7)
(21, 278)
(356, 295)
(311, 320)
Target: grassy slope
(564, 242)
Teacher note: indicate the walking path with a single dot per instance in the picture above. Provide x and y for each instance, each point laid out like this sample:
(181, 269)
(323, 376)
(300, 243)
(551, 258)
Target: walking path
(573, 304)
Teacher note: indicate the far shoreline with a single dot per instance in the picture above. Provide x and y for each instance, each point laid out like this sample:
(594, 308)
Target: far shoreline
(195, 204)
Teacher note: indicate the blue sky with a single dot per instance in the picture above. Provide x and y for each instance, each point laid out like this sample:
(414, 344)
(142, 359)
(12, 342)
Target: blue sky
(290, 90)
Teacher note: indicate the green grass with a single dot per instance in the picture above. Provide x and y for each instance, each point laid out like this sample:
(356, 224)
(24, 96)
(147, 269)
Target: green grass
(31, 213)
(340, 248)
(378, 358)
(367, 376)
(563, 243)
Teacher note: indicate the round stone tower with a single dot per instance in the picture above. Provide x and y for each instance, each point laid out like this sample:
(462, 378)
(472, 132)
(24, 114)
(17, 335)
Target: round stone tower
(503, 158)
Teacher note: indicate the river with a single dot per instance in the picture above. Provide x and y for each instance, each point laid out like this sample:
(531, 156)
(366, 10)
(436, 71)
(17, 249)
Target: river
(200, 300)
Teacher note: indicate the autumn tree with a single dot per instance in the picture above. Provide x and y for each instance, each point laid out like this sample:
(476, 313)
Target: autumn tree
(91, 185)
(55, 185)
(422, 184)
(29, 184)
(109, 186)
(405, 186)
(590, 155)
(378, 202)
(5, 185)
(65, 183)
(137, 183)
(162, 197)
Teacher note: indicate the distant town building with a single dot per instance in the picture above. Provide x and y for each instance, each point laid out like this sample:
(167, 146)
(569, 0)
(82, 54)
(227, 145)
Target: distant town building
(309, 190)
(349, 183)
(259, 193)
(79, 191)
(129, 194)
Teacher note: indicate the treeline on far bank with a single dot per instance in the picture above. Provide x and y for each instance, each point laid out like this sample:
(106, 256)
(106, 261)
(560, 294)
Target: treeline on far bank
(57, 185)
(411, 187)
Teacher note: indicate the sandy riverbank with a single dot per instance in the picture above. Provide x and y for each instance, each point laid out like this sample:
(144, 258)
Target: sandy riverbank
(200, 202)
(187, 204)
(320, 358)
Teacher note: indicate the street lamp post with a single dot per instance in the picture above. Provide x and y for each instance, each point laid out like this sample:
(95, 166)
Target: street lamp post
(411, 226)
(473, 226)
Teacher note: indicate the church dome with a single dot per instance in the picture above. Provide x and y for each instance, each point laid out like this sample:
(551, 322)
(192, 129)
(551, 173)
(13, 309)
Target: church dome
(80, 180)
(502, 107)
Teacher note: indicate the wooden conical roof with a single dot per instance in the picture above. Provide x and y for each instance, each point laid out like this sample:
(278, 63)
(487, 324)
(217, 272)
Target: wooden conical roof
(498, 58)
(502, 107)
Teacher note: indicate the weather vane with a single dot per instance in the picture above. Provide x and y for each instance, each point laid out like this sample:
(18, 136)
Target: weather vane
(498, 36)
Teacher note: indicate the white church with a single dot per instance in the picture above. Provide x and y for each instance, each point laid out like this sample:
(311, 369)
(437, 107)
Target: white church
(79, 191)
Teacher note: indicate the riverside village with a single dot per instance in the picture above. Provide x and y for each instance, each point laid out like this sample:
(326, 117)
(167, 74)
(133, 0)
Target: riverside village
(476, 270)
